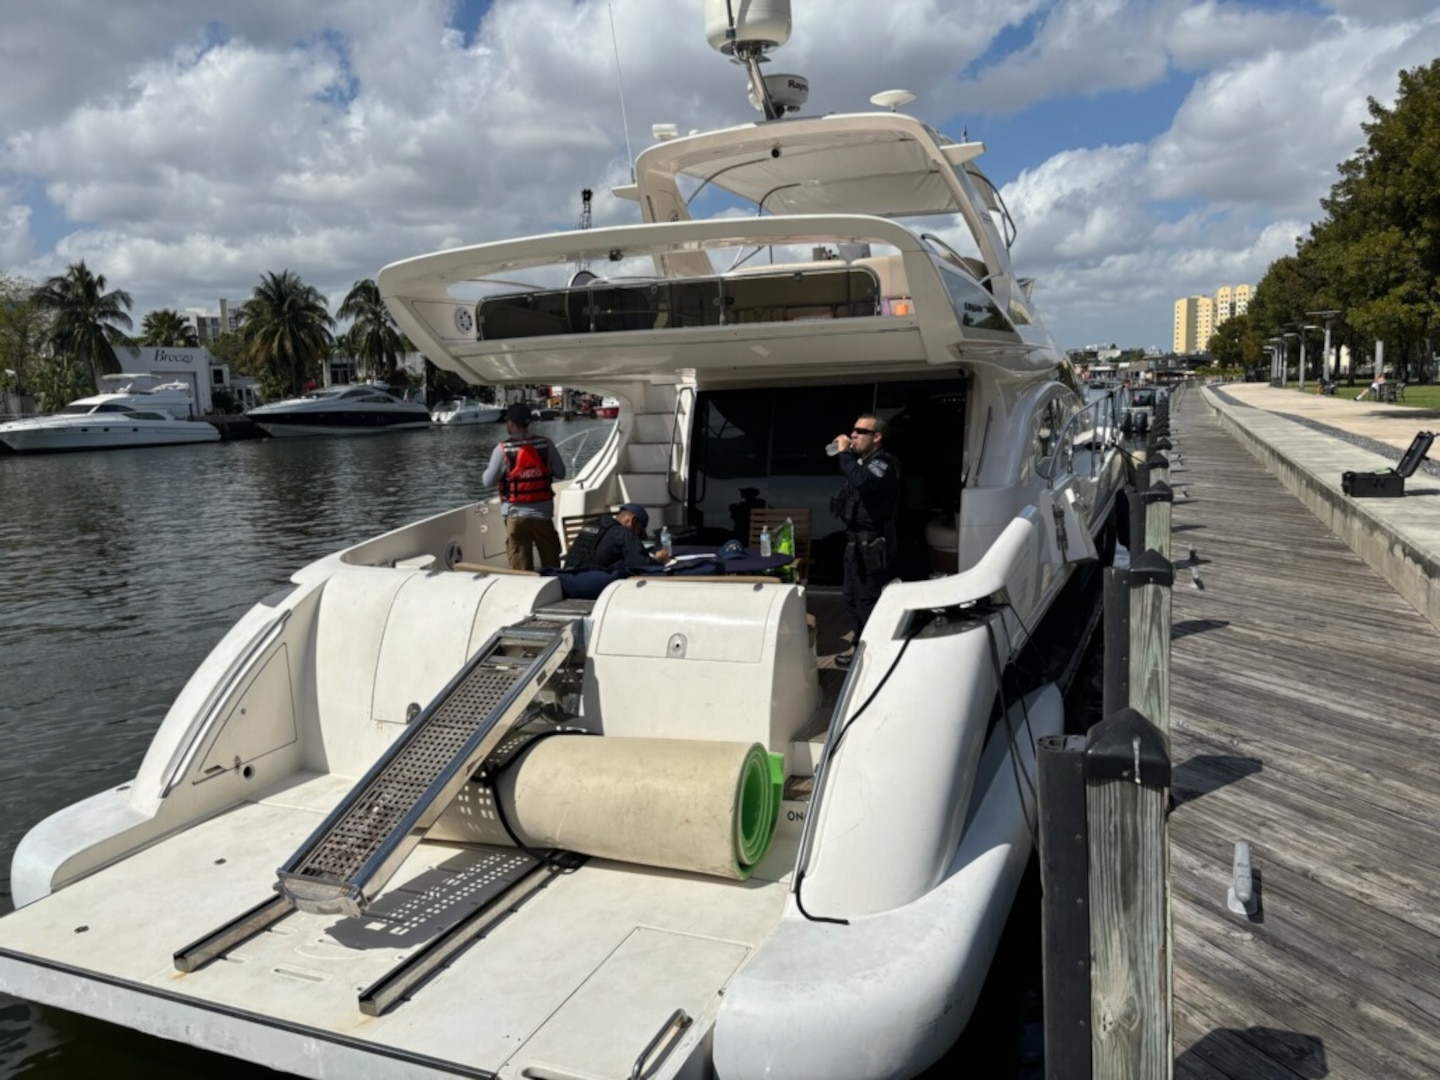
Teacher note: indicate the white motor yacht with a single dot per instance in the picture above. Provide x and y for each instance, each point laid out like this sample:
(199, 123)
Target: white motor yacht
(106, 425)
(340, 410)
(656, 833)
(458, 412)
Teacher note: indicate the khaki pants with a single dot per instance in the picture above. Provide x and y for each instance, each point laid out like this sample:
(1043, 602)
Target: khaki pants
(522, 532)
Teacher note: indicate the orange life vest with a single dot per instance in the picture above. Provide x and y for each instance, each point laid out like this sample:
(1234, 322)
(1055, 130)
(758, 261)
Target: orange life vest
(527, 470)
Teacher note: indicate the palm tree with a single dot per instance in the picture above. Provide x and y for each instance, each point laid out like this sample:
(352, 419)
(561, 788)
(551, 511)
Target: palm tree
(285, 327)
(372, 338)
(169, 329)
(88, 320)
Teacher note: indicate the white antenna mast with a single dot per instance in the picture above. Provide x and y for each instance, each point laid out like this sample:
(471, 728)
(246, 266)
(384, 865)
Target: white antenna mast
(620, 84)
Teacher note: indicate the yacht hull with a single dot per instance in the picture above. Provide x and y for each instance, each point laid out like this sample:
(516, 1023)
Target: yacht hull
(40, 436)
(270, 735)
(301, 426)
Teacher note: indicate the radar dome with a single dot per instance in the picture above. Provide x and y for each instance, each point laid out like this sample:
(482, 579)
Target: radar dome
(787, 92)
(761, 24)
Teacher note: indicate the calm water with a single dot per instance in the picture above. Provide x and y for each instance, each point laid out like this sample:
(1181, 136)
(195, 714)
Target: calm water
(119, 571)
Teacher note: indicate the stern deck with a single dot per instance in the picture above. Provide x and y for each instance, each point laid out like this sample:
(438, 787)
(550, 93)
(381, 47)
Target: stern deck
(602, 957)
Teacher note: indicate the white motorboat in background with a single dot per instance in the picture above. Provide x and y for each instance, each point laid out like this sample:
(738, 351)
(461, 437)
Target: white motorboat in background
(655, 833)
(150, 393)
(608, 409)
(106, 425)
(340, 410)
(461, 411)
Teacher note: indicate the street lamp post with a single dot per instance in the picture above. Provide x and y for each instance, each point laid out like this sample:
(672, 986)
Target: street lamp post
(1304, 333)
(1285, 357)
(1329, 317)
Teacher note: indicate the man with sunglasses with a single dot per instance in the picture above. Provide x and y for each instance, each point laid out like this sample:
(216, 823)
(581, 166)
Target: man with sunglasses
(866, 503)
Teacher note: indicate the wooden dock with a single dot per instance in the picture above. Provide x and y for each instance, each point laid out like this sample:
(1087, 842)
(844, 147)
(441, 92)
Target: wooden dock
(1304, 720)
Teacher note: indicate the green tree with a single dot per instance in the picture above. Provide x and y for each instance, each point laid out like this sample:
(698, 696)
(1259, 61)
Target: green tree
(169, 329)
(372, 339)
(230, 349)
(24, 329)
(1236, 345)
(60, 379)
(88, 322)
(285, 329)
(1379, 241)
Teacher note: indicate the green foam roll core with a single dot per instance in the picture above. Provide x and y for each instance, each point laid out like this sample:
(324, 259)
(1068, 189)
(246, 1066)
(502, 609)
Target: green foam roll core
(757, 809)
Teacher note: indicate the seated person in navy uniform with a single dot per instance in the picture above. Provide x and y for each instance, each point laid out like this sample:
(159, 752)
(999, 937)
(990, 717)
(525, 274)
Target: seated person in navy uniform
(614, 544)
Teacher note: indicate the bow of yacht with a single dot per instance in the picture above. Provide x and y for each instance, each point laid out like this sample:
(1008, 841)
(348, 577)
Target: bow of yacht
(418, 814)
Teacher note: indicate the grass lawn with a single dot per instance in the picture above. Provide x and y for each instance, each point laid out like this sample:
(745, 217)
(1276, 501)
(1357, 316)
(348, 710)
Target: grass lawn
(1416, 396)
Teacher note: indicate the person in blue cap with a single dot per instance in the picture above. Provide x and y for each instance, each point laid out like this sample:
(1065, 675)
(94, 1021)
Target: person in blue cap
(524, 466)
(615, 543)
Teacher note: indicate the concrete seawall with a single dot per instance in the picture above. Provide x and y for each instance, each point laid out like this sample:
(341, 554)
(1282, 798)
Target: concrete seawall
(1398, 538)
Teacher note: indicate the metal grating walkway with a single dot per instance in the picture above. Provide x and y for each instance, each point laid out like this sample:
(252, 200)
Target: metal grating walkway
(346, 862)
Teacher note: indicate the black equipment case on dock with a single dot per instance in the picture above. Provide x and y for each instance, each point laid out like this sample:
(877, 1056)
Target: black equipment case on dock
(1388, 483)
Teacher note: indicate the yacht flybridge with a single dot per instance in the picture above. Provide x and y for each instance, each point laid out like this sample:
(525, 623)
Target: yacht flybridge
(422, 815)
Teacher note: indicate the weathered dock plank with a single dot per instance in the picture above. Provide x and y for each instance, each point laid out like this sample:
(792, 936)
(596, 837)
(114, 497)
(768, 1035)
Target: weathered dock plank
(1302, 721)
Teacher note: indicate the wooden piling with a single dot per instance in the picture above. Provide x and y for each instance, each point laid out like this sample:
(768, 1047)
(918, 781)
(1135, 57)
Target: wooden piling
(1127, 780)
(1115, 670)
(1157, 500)
(1151, 577)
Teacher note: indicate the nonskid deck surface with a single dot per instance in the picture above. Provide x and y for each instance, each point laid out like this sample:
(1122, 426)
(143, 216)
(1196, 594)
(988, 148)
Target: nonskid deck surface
(549, 980)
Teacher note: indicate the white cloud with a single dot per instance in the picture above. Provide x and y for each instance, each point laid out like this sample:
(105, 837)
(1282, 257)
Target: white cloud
(15, 241)
(1271, 132)
(186, 147)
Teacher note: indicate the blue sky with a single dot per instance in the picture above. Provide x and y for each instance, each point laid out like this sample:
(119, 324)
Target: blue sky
(1148, 149)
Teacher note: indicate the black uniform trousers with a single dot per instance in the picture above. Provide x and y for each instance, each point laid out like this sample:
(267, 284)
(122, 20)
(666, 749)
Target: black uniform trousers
(864, 577)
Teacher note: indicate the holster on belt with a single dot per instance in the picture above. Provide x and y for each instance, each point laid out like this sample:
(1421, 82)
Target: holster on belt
(869, 551)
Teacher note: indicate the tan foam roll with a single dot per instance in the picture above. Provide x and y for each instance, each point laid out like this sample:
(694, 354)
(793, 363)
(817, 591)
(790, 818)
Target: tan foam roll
(705, 807)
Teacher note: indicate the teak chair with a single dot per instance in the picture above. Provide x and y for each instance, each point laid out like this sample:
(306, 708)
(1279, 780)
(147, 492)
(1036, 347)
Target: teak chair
(774, 517)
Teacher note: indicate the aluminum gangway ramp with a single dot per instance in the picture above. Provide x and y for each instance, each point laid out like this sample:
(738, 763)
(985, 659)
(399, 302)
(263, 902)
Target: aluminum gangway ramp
(346, 862)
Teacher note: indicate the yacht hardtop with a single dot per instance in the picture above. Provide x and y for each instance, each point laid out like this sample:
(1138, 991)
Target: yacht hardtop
(142, 390)
(421, 813)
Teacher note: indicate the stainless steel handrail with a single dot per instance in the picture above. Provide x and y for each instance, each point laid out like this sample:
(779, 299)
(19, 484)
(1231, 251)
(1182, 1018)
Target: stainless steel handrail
(1102, 434)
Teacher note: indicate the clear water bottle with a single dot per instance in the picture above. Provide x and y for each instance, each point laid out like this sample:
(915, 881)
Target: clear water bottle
(765, 541)
(665, 542)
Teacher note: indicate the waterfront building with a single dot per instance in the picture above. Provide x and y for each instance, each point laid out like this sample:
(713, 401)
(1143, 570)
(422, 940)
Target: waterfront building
(209, 325)
(1198, 317)
(1194, 323)
(196, 368)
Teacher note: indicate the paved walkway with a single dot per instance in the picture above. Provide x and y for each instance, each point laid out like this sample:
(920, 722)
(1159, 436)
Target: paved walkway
(1393, 425)
(1307, 441)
